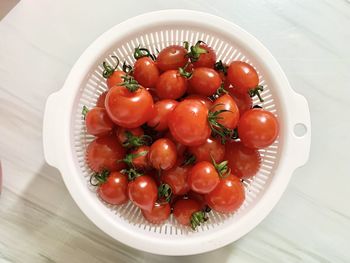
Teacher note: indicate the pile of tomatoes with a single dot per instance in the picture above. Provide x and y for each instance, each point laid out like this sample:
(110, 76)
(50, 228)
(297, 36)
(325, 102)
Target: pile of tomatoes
(177, 133)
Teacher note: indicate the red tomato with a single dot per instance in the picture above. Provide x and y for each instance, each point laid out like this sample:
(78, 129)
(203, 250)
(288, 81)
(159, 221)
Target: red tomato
(244, 101)
(97, 122)
(228, 196)
(242, 76)
(114, 190)
(205, 81)
(172, 57)
(176, 177)
(183, 210)
(122, 133)
(258, 128)
(163, 154)
(158, 214)
(115, 79)
(203, 178)
(212, 148)
(179, 147)
(188, 123)
(104, 153)
(171, 85)
(162, 110)
(207, 102)
(143, 192)
(198, 197)
(146, 72)
(101, 100)
(129, 109)
(244, 162)
(140, 157)
(206, 59)
(230, 118)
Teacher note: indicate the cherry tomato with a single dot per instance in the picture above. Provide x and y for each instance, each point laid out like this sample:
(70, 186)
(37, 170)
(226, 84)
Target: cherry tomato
(114, 190)
(200, 198)
(171, 85)
(179, 147)
(207, 102)
(203, 178)
(97, 122)
(230, 118)
(162, 110)
(242, 76)
(129, 109)
(158, 214)
(188, 123)
(101, 100)
(206, 59)
(115, 79)
(176, 177)
(244, 162)
(205, 81)
(228, 196)
(163, 154)
(140, 157)
(244, 101)
(143, 192)
(172, 57)
(146, 72)
(258, 128)
(104, 153)
(122, 133)
(183, 210)
(212, 148)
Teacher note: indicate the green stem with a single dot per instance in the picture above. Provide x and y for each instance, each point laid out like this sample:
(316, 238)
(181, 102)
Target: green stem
(197, 218)
(100, 177)
(256, 92)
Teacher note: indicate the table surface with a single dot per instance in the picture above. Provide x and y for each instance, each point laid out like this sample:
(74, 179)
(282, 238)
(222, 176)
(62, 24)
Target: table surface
(40, 41)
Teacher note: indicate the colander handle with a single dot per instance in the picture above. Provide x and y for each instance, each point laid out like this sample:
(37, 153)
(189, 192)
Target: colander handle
(301, 130)
(50, 127)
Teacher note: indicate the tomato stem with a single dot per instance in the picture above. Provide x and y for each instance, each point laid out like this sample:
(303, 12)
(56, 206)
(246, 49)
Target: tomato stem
(108, 70)
(217, 128)
(188, 159)
(164, 192)
(131, 173)
(197, 218)
(186, 45)
(141, 52)
(196, 51)
(221, 168)
(219, 66)
(100, 177)
(135, 141)
(256, 92)
(221, 90)
(130, 83)
(185, 73)
(131, 156)
(128, 69)
(84, 111)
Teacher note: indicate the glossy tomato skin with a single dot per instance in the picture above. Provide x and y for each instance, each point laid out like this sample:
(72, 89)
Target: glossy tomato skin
(101, 100)
(162, 110)
(158, 214)
(98, 122)
(183, 210)
(207, 102)
(176, 177)
(242, 76)
(122, 133)
(143, 192)
(244, 162)
(258, 128)
(230, 118)
(210, 148)
(203, 177)
(179, 147)
(129, 109)
(141, 160)
(244, 101)
(205, 81)
(207, 59)
(115, 79)
(146, 72)
(228, 196)
(188, 123)
(163, 154)
(104, 153)
(114, 190)
(171, 85)
(172, 57)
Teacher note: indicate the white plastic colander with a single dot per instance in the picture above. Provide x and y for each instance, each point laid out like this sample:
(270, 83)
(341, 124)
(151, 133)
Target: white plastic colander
(65, 139)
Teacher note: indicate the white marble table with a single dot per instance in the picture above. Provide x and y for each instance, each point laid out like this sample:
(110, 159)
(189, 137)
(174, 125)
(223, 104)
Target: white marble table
(39, 42)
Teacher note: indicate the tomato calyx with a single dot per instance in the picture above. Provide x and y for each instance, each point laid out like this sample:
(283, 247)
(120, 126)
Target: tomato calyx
(108, 70)
(217, 128)
(197, 218)
(219, 66)
(136, 141)
(221, 168)
(128, 159)
(84, 111)
(235, 135)
(128, 69)
(164, 193)
(188, 159)
(140, 52)
(256, 92)
(131, 173)
(184, 73)
(196, 51)
(99, 177)
(130, 83)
